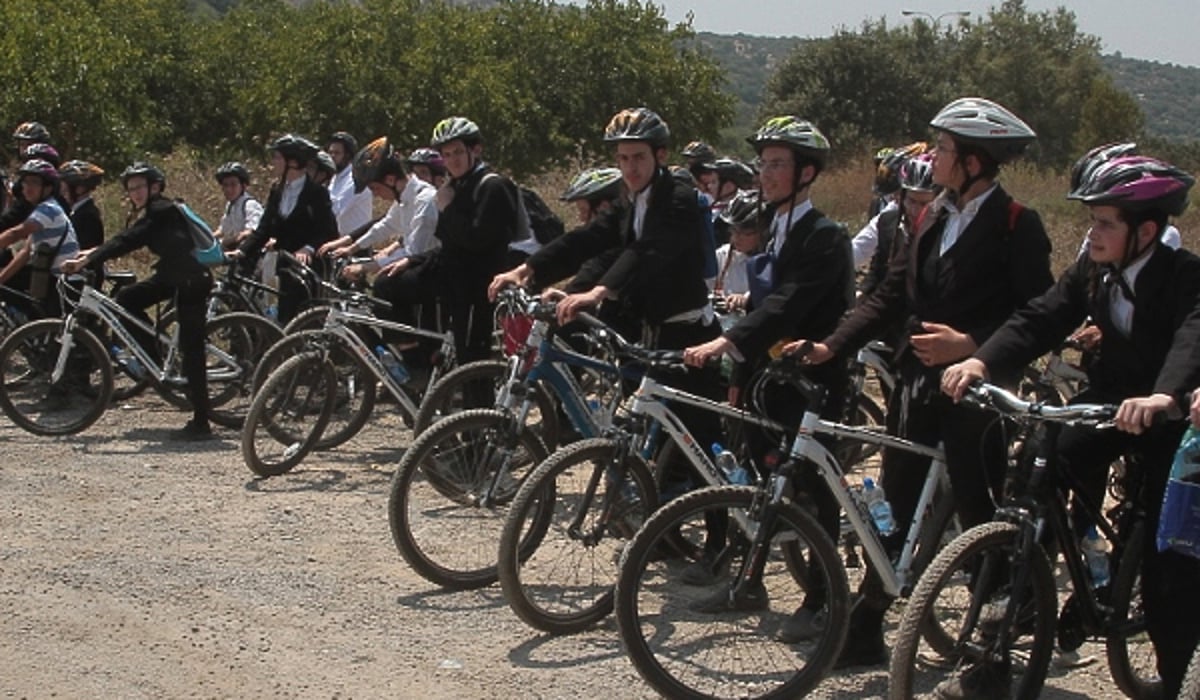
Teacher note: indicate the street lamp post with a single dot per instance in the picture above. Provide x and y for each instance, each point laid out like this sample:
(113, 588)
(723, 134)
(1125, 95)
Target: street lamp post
(936, 21)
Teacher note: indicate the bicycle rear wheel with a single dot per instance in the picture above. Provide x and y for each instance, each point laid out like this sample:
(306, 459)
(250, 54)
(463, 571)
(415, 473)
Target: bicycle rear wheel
(451, 492)
(685, 648)
(968, 588)
(288, 414)
(565, 532)
(1131, 657)
(474, 385)
(30, 396)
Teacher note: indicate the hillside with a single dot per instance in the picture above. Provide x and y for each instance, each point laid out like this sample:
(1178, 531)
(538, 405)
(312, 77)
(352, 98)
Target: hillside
(1169, 94)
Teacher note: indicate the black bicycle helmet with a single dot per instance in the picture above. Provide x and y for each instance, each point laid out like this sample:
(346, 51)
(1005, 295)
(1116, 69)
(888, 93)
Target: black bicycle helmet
(805, 140)
(43, 151)
(374, 162)
(81, 172)
(234, 168)
(596, 184)
(700, 151)
(41, 168)
(743, 210)
(887, 173)
(348, 142)
(31, 131)
(325, 162)
(638, 124)
(735, 171)
(455, 129)
(986, 125)
(429, 158)
(1137, 183)
(1084, 167)
(293, 147)
(143, 169)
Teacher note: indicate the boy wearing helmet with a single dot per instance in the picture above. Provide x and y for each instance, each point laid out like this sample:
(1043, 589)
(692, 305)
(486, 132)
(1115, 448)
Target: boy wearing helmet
(298, 218)
(1145, 297)
(973, 259)
(427, 165)
(242, 211)
(47, 232)
(160, 227)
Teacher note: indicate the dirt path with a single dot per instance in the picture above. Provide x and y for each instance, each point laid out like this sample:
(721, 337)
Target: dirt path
(134, 568)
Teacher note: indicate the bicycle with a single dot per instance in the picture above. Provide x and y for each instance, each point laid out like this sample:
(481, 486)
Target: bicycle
(330, 370)
(58, 376)
(995, 586)
(720, 641)
(467, 466)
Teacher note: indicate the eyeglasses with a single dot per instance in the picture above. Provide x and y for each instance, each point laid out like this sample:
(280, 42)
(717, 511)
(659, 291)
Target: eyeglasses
(945, 150)
(765, 165)
(135, 188)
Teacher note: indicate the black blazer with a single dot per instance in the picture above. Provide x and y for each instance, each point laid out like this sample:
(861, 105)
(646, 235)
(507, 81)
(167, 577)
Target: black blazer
(1161, 355)
(654, 277)
(996, 266)
(310, 223)
(814, 276)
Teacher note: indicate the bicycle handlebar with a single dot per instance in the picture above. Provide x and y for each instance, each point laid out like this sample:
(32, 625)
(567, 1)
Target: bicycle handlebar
(1004, 402)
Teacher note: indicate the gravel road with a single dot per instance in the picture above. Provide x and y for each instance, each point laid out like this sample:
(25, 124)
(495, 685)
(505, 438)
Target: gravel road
(132, 567)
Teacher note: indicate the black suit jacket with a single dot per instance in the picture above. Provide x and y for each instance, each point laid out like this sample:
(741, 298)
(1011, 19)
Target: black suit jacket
(995, 267)
(814, 276)
(310, 223)
(1161, 355)
(654, 277)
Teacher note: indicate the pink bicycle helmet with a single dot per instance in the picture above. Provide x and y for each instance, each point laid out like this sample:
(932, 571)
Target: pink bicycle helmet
(1136, 183)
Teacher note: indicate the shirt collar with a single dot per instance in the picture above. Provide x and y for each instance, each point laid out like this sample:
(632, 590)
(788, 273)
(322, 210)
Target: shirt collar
(784, 220)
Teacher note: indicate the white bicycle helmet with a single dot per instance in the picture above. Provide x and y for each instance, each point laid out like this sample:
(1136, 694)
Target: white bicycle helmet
(986, 125)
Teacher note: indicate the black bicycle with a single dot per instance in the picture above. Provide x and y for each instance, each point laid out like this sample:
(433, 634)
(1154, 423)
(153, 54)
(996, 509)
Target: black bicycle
(994, 585)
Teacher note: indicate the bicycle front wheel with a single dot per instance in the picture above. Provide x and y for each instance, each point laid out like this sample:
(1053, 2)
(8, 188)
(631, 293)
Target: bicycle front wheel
(451, 492)
(565, 532)
(34, 399)
(968, 589)
(1131, 657)
(691, 641)
(474, 385)
(288, 414)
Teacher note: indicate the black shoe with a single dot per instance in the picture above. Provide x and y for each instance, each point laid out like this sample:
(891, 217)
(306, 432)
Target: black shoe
(193, 431)
(862, 650)
(724, 600)
(977, 682)
(803, 625)
(703, 572)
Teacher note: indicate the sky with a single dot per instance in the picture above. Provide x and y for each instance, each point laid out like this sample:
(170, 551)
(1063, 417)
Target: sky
(1157, 30)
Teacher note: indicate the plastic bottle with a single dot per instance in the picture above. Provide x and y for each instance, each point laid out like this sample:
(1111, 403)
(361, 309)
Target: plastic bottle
(728, 464)
(130, 362)
(1186, 466)
(392, 364)
(1095, 552)
(878, 507)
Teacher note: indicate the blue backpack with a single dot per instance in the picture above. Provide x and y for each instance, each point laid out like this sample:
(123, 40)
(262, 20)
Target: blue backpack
(206, 248)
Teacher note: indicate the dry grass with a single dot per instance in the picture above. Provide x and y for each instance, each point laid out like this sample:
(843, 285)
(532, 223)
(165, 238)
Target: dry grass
(843, 194)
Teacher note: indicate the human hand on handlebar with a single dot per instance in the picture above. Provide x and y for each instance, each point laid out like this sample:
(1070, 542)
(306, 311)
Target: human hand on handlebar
(698, 355)
(570, 305)
(817, 353)
(517, 276)
(957, 378)
(1137, 414)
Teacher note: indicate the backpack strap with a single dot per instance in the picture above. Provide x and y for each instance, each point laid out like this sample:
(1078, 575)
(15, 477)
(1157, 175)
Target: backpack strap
(1015, 210)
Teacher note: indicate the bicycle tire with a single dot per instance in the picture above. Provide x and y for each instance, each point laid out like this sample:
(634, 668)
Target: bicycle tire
(288, 414)
(997, 541)
(446, 397)
(932, 541)
(675, 649)
(436, 511)
(28, 397)
(557, 579)
(1190, 688)
(1136, 673)
(310, 319)
(357, 389)
(245, 337)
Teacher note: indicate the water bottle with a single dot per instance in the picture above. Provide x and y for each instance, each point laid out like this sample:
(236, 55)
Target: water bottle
(395, 368)
(728, 464)
(273, 312)
(1095, 552)
(878, 507)
(126, 360)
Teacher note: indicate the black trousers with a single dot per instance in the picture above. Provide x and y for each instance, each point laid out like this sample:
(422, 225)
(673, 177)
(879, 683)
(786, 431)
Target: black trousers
(1170, 581)
(191, 298)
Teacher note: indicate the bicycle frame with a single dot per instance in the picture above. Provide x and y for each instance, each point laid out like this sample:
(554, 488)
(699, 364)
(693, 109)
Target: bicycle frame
(338, 324)
(114, 317)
